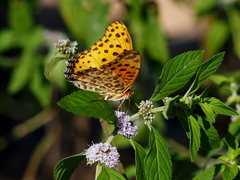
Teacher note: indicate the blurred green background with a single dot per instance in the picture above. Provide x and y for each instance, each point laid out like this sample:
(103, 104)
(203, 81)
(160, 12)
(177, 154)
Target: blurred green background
(35, 133)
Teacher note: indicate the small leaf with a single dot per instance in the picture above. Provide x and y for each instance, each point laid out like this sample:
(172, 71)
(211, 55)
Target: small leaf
(210, 173)
(110, 174)
(195, 136)
(230, 172)
(205, 70)
(169, 110)
(212, 106)
(158, 163)
(210, 116)
(139, 156)
(65, 167)
(87, 103)
(176, 74)
(209, 135)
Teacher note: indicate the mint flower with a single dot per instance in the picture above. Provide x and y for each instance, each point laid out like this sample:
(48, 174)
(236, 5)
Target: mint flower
(102, 153)
(144, 110)
(126, 127)
(65, 46)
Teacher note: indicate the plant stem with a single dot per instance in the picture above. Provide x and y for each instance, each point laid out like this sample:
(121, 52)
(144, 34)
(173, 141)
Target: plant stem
(108, 139)
(104, 128)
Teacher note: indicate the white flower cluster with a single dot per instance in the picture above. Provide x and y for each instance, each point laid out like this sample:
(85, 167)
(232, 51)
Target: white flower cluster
(126, 127)
(144, 110)
(102, 153)
(66, 46)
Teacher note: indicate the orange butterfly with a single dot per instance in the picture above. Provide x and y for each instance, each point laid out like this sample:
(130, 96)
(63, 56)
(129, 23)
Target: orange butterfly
(109, 68)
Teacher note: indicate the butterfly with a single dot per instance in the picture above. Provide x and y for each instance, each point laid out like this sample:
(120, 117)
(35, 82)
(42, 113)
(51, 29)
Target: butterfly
(109, 68)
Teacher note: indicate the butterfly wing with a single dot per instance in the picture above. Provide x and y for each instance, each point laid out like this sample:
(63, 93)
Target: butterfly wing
(127, 67)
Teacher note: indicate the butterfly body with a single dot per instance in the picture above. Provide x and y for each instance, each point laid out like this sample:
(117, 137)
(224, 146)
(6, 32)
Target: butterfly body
(109, 68)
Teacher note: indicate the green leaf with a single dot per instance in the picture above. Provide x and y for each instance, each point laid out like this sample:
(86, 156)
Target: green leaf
(65, 167)
(195, 136)
(230, 172)
(230, 141)
(210, 173)
(217, 35)
(22, 73)
(20, 16)
(209, 138)
(139, 156)
(52, 64)
(110, 174)
(205, 70)
(176, 74)
(87, 103)
(158, 163)
(209, 135)
(220, 79)
(203, 7)
(39, 88)
(212, 106)
(169, 110)
(155, 40)
(234, 17)
(8, 40)
(234, 128)
(86, 20)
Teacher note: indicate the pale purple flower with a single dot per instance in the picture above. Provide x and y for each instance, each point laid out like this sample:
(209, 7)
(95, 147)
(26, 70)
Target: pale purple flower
(65, 46)
(144, 110)
(102, 153)
(126, 127)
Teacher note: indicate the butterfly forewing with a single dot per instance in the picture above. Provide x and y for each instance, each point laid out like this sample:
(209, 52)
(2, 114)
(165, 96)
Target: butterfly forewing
(115, 41)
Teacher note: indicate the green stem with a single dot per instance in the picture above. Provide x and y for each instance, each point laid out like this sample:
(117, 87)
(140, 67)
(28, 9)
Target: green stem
(137, 115)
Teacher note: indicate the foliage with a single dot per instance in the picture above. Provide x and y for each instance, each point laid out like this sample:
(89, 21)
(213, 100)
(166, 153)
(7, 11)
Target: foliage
(27, 54)
(154, 161)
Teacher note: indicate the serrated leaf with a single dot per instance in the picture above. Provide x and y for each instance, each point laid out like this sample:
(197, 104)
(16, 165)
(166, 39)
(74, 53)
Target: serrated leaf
(230, 172)
(139, 156)
(195, 137)
(176, 73)
(212, 106)
(158, 161)
(209, 135)
(87, 103)
(65, 167)
(209, 173)
(210, 115)
(205, 70)
(110, 174)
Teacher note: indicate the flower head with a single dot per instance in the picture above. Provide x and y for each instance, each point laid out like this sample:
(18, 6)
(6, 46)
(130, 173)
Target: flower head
(103, 153)
(126, 127)
(144, 110)
(66, 46)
